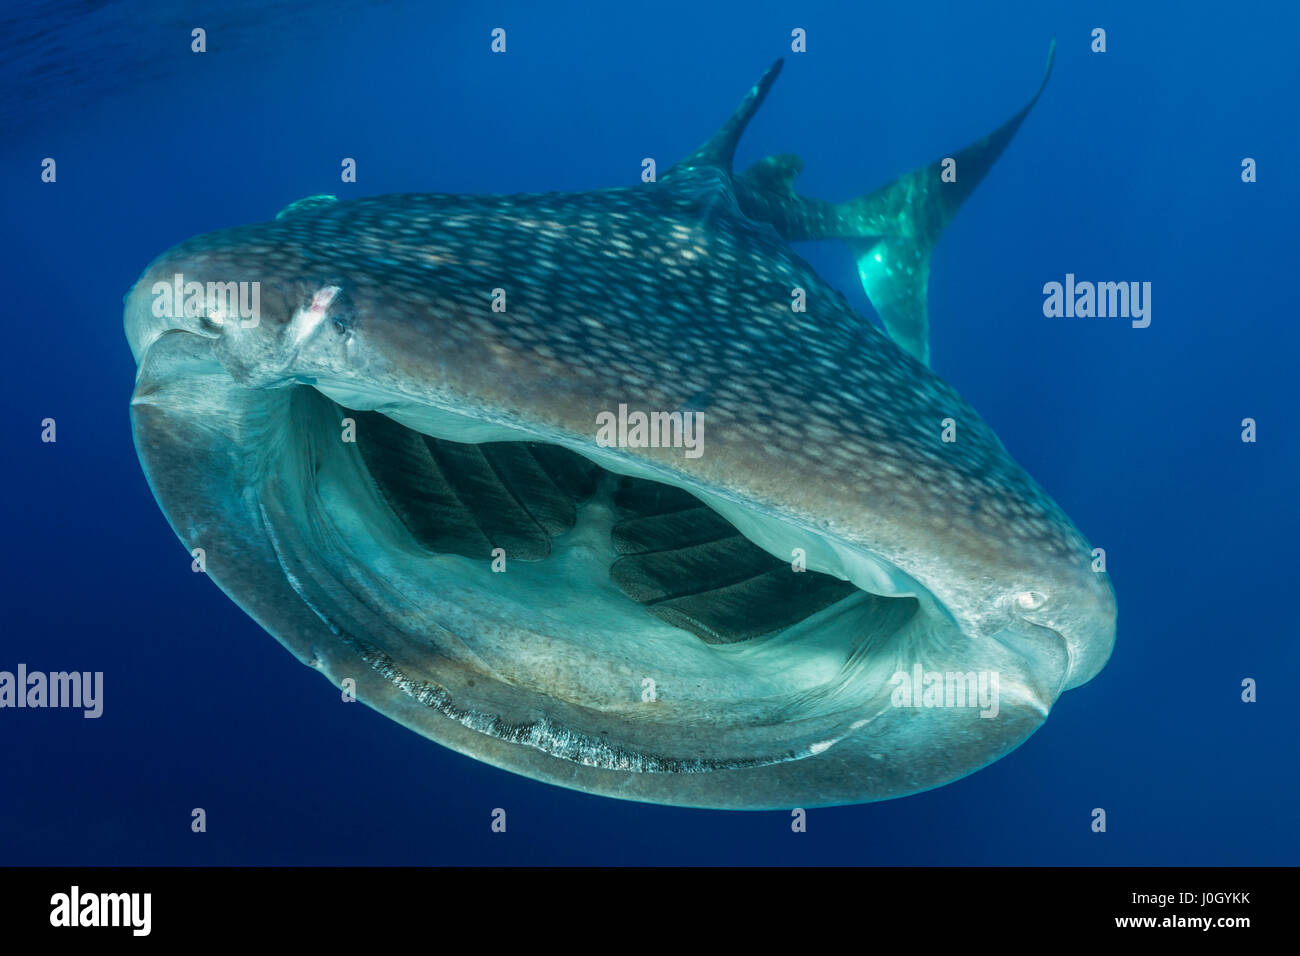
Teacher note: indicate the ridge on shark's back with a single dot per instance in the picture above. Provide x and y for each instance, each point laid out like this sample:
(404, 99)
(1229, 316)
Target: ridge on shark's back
(399, 471)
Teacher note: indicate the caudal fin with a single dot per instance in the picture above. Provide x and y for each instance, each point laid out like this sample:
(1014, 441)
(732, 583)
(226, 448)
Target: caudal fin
(892, 230)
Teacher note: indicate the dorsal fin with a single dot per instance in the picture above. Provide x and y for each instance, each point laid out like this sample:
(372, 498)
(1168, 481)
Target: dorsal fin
(890, 230)
(719, 151)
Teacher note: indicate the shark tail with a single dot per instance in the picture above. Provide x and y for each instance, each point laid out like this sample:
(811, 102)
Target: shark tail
(892, 230)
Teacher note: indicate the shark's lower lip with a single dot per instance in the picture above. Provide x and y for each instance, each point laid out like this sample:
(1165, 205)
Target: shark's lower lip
(548, 667)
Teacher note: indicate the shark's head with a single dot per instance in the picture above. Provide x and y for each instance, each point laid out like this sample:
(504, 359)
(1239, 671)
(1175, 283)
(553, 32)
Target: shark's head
(568, 483)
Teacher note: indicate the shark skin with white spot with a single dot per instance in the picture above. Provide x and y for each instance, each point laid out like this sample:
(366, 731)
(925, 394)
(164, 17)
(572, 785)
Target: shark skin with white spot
(395, 472)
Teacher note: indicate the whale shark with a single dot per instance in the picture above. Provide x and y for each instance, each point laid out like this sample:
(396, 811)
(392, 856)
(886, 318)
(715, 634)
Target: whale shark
(611, 489)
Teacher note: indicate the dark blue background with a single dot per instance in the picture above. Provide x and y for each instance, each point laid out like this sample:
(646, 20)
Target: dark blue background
(1127, 169)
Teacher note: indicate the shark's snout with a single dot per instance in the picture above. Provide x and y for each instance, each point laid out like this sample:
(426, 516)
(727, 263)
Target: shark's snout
(268, 324)
(201, 293)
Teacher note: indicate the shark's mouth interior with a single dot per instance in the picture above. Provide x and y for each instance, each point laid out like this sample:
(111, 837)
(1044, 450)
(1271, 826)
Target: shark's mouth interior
(535, 595)
(519, 500)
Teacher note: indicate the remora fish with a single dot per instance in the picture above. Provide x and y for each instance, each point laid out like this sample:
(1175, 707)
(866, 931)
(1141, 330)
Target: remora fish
(405, 486)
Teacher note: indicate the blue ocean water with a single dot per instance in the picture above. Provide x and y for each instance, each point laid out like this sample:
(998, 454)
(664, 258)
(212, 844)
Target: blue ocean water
(1129, 168)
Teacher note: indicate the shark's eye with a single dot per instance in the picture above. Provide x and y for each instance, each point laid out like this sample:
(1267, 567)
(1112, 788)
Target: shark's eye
(1030, 600)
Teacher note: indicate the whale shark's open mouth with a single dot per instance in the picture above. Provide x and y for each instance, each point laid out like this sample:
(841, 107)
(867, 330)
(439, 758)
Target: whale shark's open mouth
(612, 594)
